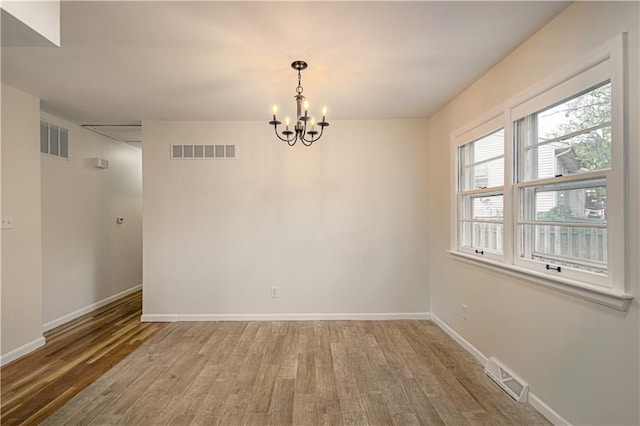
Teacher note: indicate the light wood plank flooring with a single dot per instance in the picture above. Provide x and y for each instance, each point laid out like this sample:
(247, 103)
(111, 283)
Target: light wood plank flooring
(75, 355)
(305, 373)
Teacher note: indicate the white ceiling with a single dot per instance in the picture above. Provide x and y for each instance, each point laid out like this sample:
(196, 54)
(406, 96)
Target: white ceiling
(122, 62)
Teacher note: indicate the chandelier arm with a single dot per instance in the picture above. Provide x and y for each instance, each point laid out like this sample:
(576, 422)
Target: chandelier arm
(310, 141)
(279, 137)
(306, 142)
(312, 138)
(293, 141)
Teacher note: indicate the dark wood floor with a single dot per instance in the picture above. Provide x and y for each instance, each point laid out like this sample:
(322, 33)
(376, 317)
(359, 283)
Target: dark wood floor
(74, 356)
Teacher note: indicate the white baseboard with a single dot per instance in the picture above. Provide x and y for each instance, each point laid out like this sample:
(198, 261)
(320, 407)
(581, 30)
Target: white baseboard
(534, 401)
(158, 318)
(546, 411)
(73, 315)
(461, 340)
(22, 351)
(284, 317)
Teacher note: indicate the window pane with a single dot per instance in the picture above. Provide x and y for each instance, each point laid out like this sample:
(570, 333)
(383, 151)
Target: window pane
(483, 207)
(582, 153)
(584, 201)
(584, 111)
(576, 247)
(484, 236)
(482, 162)
(485, 175)
(487, 147)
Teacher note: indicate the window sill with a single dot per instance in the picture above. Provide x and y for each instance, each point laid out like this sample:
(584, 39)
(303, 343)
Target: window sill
(606, 297)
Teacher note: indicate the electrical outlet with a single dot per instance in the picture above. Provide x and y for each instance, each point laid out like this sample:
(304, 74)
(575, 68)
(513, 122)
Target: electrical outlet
(7, 223)
(275, 292)
(465, 312)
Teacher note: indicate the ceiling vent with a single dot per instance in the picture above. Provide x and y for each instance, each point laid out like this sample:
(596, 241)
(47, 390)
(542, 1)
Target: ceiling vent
(513, 385)
(203, 152)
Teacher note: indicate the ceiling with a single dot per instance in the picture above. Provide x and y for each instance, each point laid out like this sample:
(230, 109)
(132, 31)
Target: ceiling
(123, 62)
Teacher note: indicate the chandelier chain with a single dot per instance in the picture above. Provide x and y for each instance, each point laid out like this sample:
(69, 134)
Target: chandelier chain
(299, 89)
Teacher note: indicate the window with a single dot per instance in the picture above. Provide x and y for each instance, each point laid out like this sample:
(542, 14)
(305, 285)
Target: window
(539, 188)
(480, 189)
(54, 140)
(565, 155)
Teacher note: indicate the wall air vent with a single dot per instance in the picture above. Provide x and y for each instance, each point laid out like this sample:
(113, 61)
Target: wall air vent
(203, 152)
(509, 382)
(54, 140)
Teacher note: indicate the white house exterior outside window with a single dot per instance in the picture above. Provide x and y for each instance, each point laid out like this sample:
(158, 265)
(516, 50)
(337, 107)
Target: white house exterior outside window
(539, 183)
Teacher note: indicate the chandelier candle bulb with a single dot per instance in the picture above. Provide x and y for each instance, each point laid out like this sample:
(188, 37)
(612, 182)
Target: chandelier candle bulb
(324, 112)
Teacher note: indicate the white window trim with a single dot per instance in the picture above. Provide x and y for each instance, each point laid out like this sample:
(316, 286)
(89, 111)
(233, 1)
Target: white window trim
(606, 297)
(606, 60)
(486, 128)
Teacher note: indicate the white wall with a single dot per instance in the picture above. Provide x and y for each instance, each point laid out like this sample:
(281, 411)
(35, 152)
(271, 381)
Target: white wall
(86, 256)
(21, 257)
(339, 227)
(580, 358)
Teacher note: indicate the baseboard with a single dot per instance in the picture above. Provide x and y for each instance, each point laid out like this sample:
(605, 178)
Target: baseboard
(546, 411)
(461, 340)
(158, 318)
(22, 351)
(73, 315)
(534, 401)
(285, 317)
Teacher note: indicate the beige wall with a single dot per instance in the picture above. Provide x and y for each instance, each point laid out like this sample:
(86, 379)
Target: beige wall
(339, 227)
(66, 253)
(581, 358)
(21, 256)
(86, 256)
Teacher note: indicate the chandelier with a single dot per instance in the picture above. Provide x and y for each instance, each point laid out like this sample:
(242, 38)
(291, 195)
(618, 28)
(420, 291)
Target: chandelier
(300, 131)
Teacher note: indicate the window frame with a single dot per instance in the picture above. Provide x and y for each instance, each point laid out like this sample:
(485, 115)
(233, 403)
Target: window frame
(603, 64)
(489, 127)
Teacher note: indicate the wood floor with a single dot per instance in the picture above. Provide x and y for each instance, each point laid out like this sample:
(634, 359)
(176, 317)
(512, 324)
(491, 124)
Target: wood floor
(304, 373)
(75, 355)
